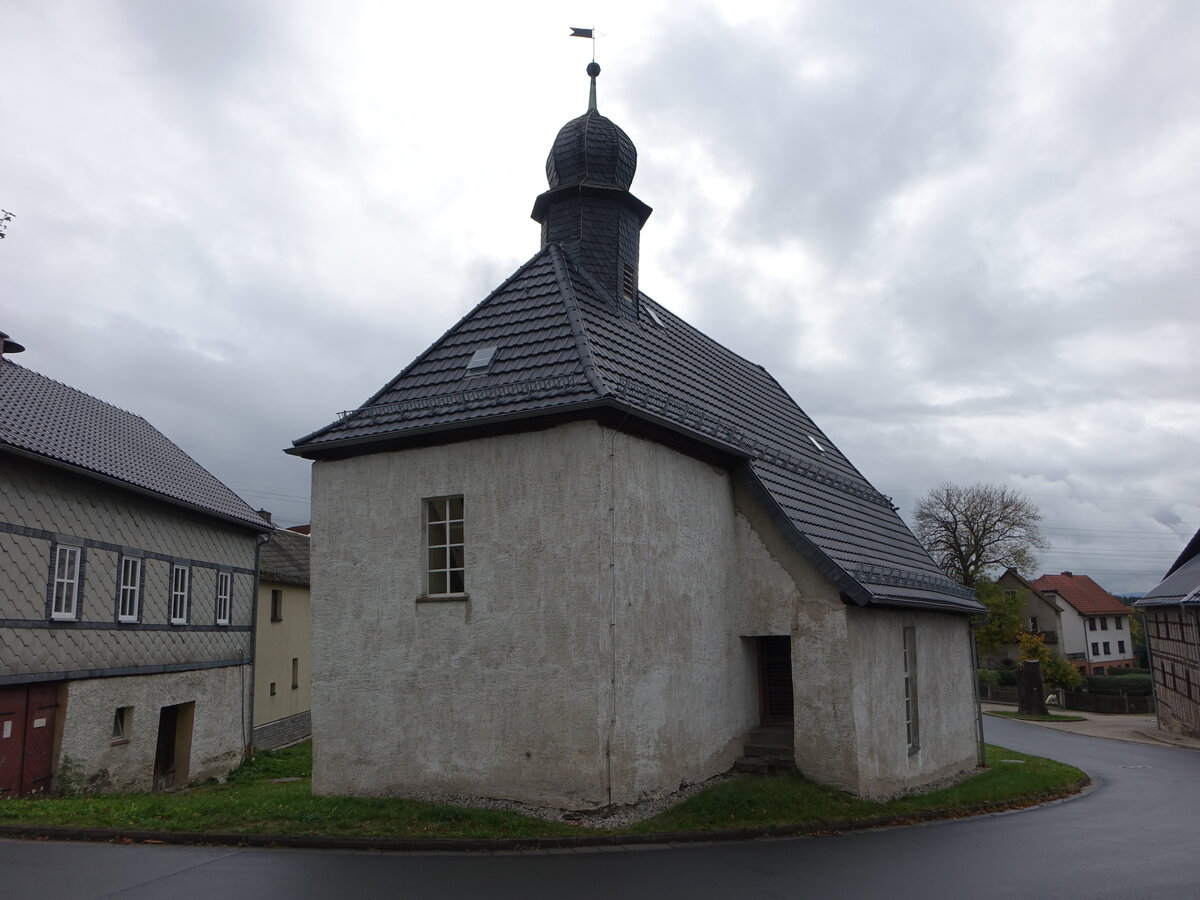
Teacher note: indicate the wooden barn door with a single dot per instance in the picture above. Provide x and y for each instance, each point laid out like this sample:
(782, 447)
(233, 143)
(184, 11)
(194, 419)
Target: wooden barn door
(27, 719)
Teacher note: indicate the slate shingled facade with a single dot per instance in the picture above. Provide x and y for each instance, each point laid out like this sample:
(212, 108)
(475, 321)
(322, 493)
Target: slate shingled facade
(104, 522)
(685, 459)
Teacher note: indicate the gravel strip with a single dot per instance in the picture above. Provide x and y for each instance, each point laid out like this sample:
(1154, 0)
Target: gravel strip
(606, 818)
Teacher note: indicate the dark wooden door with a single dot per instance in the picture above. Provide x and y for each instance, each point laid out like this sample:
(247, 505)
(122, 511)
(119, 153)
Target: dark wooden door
(27, 719)
(13, 702)
(775, 679)
(164, 752)
(40, 713)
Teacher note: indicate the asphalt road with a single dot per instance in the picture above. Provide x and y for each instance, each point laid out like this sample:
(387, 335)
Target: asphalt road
(1133, 836)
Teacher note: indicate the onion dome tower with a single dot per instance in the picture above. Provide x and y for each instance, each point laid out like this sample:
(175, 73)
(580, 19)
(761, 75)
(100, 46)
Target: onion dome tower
(588, 209)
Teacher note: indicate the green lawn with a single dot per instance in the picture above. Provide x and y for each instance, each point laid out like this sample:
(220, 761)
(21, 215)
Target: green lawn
(251, 803)
(1049, 717)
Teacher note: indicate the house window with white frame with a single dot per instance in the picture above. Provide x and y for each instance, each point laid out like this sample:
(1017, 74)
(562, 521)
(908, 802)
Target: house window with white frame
(180, 576)
(65, 603)
(130, 590)
(224, 585)
(911, 720)
(445, 566)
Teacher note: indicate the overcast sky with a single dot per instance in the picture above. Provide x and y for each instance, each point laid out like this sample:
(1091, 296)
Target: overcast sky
(964, 236)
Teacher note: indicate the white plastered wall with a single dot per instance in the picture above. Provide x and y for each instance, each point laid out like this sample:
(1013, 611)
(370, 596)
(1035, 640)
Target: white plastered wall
(615, 589)
(219, 729)
(945, 703)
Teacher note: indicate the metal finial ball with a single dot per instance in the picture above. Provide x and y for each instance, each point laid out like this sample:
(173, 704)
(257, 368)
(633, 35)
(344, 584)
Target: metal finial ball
(593, 69)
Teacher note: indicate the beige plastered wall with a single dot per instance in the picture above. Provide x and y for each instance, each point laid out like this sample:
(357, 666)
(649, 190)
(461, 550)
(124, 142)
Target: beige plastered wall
(276, 645)
(221, 696)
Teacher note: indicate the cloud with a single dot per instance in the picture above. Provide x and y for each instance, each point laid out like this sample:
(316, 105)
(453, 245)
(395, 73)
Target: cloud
(962, 235)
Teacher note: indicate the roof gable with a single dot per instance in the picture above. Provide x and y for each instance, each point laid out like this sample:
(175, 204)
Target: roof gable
(1087, 597)
(562, 344)
(45, 419)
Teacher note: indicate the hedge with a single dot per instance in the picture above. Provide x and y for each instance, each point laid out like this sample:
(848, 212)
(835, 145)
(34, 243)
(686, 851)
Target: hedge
(1118, 684)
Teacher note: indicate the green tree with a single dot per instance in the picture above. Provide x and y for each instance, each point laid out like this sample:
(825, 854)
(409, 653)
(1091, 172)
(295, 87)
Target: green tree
(970, 531)
(1004, 618)
(1058, 673)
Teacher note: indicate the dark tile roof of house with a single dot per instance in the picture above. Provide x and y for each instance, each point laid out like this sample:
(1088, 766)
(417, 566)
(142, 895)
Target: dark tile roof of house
(1011, 575)
(47, 420)
(1182, 581)
(284, 557)
(1087, 597)
(563, 347)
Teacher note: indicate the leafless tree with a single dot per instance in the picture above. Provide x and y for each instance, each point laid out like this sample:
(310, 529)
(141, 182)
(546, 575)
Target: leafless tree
(5, 218)
(971, 530)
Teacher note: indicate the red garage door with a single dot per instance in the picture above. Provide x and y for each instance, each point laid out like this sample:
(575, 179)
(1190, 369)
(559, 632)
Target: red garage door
(27, 738)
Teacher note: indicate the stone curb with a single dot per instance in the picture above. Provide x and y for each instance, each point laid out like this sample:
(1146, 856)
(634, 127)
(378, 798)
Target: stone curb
(588, 841)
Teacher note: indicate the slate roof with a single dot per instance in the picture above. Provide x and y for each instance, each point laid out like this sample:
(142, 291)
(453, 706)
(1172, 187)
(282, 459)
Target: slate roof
(45, 419)
(563, 347)
(1181, 585)
(284, 557)
(1087, 597)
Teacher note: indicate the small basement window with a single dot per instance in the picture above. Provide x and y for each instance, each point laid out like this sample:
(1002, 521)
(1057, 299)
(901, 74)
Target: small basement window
(481, 361)
(122, 723)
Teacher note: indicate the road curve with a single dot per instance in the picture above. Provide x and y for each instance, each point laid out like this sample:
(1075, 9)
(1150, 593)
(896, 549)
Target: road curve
(1133, 836)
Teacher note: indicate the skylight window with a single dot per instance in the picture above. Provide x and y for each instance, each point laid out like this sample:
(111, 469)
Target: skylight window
(481, 361)
(653, 315)
(816, 443)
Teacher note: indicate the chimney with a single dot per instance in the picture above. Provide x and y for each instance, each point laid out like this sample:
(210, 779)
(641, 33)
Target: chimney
(8, 346)
(266, 515)
(1068, 574)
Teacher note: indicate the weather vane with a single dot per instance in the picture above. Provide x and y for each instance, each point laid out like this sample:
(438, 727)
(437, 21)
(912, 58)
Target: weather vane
(589, 33)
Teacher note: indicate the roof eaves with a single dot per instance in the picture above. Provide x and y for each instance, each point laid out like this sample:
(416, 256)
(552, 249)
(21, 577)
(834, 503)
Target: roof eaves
(335, 447)
(260, 526)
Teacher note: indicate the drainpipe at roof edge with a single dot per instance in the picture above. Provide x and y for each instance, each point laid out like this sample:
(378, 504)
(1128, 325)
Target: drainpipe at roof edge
(981, 750)
(248, 742)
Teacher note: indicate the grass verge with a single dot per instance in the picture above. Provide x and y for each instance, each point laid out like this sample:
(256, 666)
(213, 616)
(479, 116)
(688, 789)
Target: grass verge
(1049, 717)
(252, 803)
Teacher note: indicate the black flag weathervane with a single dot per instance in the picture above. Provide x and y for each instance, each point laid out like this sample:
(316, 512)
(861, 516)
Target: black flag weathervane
(588, 33)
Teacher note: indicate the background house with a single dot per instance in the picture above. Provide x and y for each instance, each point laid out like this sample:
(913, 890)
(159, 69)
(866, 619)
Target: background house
(1172, 611)
(281, 648)
(1095, 624)
(577, 552)
(127, 575)
(1040, 615)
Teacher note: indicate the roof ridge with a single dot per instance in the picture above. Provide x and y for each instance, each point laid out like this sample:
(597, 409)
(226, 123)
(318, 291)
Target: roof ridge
(391, 383)
(571, 303)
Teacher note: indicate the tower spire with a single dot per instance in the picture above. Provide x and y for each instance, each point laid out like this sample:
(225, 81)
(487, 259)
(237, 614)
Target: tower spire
(593, 69)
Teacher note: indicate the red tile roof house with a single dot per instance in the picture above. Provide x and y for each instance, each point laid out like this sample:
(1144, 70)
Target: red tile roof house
(1095, 624)
(1172, 611)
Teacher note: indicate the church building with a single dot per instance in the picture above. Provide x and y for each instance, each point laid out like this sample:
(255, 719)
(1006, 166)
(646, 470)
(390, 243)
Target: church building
(578, 553)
